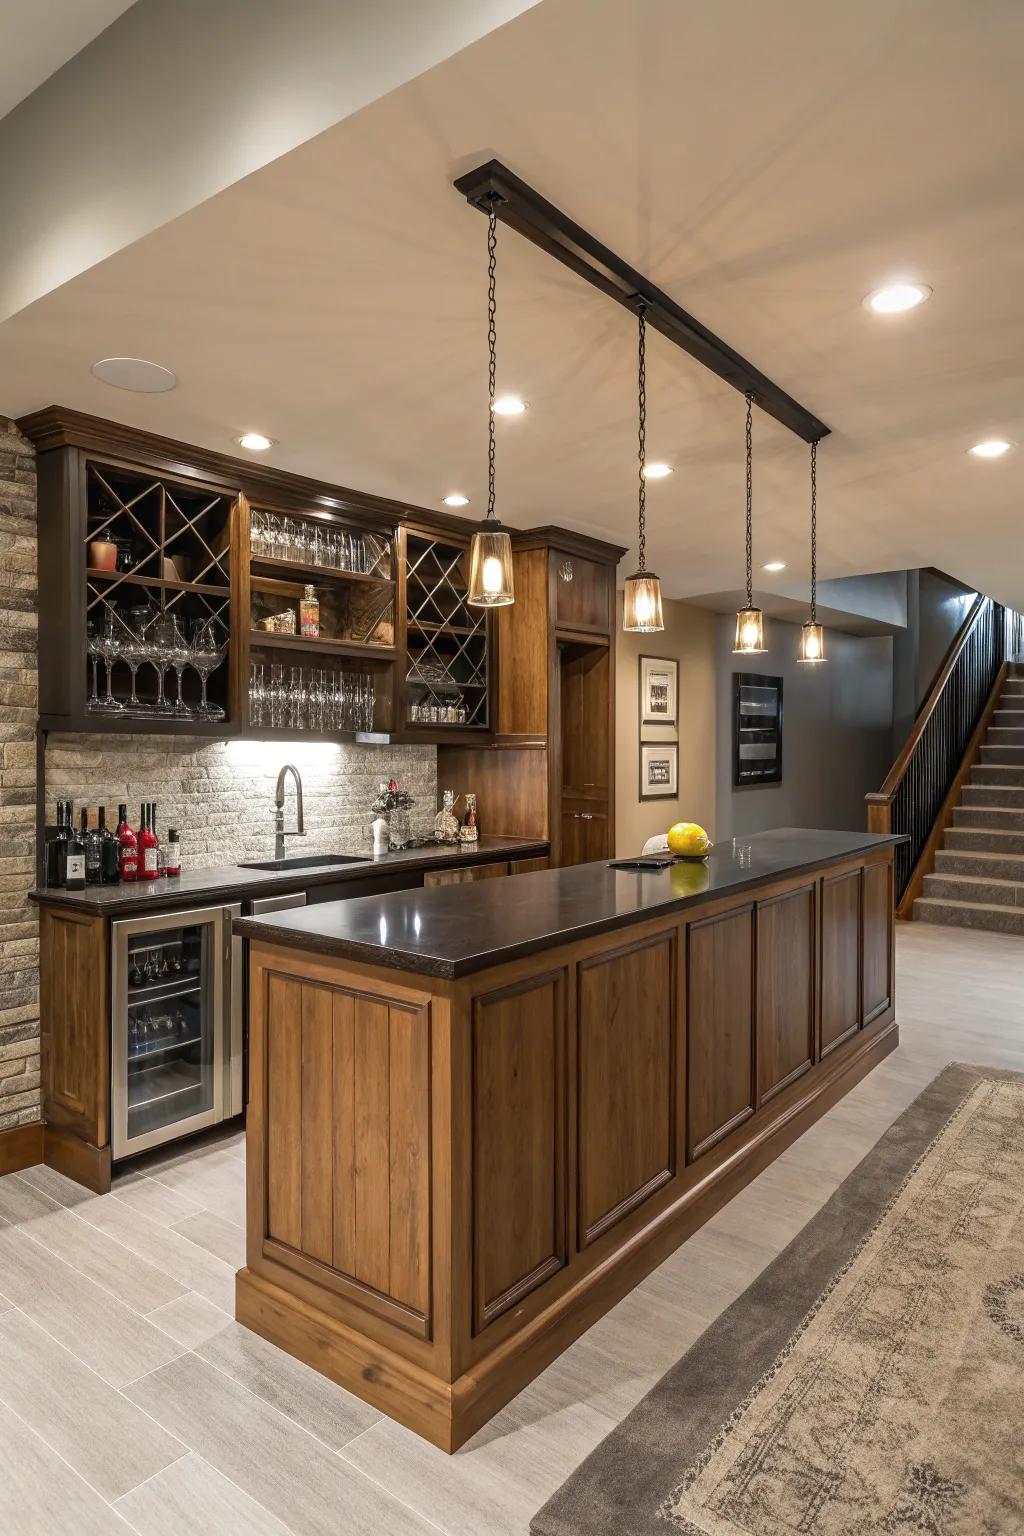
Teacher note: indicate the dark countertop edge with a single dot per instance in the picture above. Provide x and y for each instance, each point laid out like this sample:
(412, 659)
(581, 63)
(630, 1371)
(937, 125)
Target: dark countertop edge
(257, 882)
(455, 970)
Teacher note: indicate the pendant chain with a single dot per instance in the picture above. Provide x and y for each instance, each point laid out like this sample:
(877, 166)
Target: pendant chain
(492, 350)
(750, 500)
(814, 533)
(642, 432)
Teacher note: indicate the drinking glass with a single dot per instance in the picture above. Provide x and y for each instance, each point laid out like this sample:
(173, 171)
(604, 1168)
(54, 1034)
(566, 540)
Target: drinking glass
(178, 656)
(92, 648)
(108, 647)
(206, 657)
(278, 697)
(257, 697)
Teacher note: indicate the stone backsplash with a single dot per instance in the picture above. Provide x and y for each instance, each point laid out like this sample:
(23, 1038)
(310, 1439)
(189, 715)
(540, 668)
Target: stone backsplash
(220, 794)
(19, 934)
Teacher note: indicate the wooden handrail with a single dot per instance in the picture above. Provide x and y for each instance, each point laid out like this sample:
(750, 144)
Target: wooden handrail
(897, 773)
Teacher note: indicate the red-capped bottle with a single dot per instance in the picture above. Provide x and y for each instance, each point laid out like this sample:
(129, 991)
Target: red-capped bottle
(127, 846)
(148, 845)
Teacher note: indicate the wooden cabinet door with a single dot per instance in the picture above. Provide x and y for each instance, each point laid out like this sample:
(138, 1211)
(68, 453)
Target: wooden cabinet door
(74, 1006)
(877, 961)
(719, 1027)
(584, 837)
(626, 1032)
(583, 593)
(840, 958)
(785, 989)
(518, 1134)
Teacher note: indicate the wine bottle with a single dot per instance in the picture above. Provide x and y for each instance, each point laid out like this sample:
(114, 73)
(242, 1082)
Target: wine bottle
(127, 846)
(148, 846)
(56, 851)
(93, 845)
(74, 866)
(109, 862)
(173, 865)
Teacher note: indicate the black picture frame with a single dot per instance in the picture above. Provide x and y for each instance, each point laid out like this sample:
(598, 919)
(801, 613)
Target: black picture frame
(757, 730)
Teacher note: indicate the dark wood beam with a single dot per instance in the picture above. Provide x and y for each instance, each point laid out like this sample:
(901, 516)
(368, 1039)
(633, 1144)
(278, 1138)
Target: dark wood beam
(521, 208)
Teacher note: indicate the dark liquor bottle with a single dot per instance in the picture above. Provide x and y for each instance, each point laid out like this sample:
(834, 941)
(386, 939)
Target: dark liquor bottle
(74, 862)
(148, 845)
(93, 844)
(56, 851)
(127, 846)
(172, 864)
(109, 862)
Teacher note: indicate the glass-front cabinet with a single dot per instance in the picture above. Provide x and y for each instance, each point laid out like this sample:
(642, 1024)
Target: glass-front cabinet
(173, 1048)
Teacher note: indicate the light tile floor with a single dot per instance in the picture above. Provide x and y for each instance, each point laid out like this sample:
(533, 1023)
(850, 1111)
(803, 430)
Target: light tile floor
(130, 1400)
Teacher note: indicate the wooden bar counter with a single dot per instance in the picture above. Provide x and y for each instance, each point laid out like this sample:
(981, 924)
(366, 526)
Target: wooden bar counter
(479, 1115)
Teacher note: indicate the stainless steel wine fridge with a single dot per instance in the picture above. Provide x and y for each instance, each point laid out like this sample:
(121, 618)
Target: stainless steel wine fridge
(177, 1002)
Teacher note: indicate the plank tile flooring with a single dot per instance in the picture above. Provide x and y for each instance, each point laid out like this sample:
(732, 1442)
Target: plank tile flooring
(131, 1402)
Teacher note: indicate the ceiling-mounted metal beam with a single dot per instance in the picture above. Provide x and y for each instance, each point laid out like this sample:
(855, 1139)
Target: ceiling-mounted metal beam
(521, 208)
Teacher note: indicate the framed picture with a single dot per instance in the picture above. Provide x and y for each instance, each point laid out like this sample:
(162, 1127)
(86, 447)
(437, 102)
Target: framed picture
(659, 770)
(659, 688)
(757, 729)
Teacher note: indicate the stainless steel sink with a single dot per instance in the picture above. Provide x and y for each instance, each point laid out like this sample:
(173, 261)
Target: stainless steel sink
(319, 861)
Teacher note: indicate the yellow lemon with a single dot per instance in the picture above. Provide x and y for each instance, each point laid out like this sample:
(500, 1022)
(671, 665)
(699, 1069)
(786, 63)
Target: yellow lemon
(687, 837)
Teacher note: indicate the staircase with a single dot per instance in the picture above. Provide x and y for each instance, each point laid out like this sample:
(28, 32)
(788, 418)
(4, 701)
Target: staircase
(978, 880)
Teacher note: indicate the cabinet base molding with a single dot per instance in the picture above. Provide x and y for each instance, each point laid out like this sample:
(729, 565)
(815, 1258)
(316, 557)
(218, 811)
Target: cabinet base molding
(76, 1159)
(449, 1413)
(21, 1147)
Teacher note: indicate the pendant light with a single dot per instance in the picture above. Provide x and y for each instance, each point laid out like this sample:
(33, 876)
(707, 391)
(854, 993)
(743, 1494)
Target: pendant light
(490, 552)
(641, 599)
(750, 620)
(812, 636)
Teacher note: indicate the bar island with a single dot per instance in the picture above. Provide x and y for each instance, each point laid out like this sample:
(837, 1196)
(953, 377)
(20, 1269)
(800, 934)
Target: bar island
(478, 1117)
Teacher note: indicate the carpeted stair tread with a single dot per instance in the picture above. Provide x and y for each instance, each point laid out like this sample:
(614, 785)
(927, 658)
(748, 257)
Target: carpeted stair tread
(983, 889)
(993, 818)
(965, 861)
(969, 914)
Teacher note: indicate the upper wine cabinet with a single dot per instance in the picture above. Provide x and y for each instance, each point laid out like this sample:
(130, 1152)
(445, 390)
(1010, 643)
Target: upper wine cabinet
(447, 649)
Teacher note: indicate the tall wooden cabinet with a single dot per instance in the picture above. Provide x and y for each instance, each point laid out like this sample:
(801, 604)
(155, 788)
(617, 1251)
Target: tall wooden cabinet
(549, 771)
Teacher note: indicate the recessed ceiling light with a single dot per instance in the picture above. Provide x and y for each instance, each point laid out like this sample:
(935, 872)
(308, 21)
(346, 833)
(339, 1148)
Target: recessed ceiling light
(896, 297)
(508, 405)
(775, 565)
(991, 448)
(255, 442)
(134, 373)
(657, 471)
(456, 499)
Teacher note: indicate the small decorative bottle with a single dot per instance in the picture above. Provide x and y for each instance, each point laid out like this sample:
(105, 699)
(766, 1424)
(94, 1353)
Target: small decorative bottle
(469, 832)
(446, 823)
(309, 613)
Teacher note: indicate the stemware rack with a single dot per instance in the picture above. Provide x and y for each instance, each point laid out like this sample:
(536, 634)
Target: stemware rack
(144, 530)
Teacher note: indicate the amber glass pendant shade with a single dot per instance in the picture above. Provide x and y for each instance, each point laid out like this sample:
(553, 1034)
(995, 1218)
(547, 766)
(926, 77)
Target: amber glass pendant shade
(641, 607)
(749, 632)
(490, 567)
(812, 643)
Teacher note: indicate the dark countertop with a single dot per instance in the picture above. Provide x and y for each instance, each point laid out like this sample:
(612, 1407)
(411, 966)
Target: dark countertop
(227, 882)
(432, 933)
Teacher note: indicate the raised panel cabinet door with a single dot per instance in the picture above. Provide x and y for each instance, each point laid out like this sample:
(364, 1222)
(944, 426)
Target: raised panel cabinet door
(785, 989)
(74, 1006)
(719, 1027)
(626, 1072)
(518, 1140)
(348, 1143)
(583, 591)
(877, 958)
(840, 958)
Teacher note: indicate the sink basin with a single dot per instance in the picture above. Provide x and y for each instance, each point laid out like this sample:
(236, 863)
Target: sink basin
(317, 861)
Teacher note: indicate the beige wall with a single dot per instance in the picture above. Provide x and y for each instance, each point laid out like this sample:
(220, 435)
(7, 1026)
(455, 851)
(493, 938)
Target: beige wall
(689, 637)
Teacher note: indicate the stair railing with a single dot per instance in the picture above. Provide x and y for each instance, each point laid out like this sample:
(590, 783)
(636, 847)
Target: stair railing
(921, 778)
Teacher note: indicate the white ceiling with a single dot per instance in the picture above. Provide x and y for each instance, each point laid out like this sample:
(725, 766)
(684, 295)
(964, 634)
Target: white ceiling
(41, 35)
(767, 165)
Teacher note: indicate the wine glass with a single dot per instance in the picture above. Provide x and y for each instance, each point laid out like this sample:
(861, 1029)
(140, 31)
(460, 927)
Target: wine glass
(157, 638)
(178, 657)
(207, 656)
(108, 646)
(92, 648)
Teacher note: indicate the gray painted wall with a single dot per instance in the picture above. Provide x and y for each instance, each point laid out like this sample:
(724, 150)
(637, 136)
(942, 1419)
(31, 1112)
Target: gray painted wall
(837, 731)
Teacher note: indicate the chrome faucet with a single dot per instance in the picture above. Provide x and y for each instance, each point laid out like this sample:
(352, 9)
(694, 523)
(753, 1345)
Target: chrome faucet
(279, 832)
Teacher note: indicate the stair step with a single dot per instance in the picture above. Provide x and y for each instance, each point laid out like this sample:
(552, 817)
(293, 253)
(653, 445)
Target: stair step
(984, 840)
(997, 773)
(1010, 756)
(962, 861)
(1005, 796)
(997, 893)
(1005, 736)
(969, 914)
(993, 818)
(1007, 714)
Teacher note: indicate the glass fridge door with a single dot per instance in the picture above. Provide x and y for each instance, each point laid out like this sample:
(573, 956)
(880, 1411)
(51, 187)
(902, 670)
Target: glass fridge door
(167, 1057)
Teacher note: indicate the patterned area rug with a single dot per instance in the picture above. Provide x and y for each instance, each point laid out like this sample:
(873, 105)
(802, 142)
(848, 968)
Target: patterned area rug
(891, 1402)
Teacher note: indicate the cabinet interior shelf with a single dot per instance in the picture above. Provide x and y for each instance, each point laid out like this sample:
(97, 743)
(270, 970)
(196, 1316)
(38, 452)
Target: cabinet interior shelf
(261, 639)
(165, 583)
(315, 573)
